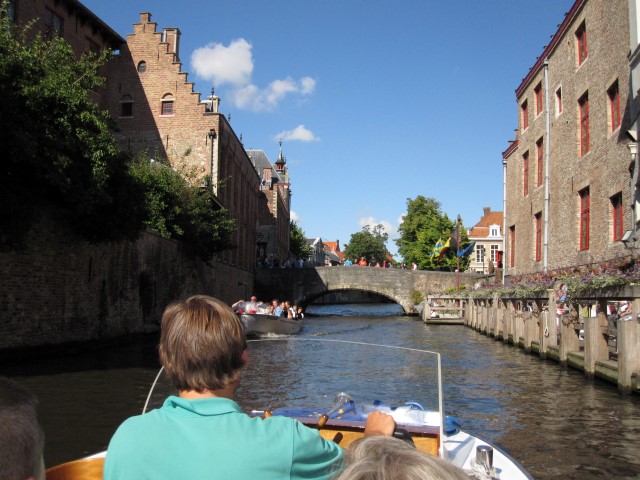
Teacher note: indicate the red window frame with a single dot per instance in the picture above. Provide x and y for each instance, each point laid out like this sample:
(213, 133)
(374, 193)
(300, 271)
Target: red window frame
(618, 219)
(525, 173)
(525, 115)
(581, 39)
(538, 219)
(614, 105)
(540, 166)
(538, 94)
(585, 214)
(512, 246)
(583, 105)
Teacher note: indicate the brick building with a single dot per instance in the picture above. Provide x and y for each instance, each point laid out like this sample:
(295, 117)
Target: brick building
(567, 199)
(70, 20)
(274, 214)
(159, 113)
(487, 234)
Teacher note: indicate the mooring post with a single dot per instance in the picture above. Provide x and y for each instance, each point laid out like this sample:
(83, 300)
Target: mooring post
(628, 342)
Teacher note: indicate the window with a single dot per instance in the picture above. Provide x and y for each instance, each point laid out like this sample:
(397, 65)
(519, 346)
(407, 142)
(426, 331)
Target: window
(584, 218)
(53, 24)
(618, 224)
(167, 105)
(494, 232)
(93, 47)
(614, 106)
(538, 228)
(493, 255)
(525, 173)
(559, 101)
(480, 254)
(126, 106)
(142, 67)
(525, 115)
(11, 11)
(512, 246)
(581, 43)
(538, 94)
(540, 162)
(583, 105)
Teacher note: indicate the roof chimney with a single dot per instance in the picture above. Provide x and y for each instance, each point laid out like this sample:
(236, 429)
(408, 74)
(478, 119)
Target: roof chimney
(172, 37)
(486, 210)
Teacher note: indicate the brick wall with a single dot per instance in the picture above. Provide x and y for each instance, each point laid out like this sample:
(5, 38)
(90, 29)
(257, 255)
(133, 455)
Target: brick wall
(59, 289)
(604, 169)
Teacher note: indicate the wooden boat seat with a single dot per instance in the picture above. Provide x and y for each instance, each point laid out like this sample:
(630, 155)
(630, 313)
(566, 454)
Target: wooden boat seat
(83, 469)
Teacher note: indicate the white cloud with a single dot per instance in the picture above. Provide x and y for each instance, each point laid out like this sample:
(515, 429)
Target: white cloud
(372, 222)
(224, 65)
(300, 134)
(294, 216)
(233, 66)
(308, 85)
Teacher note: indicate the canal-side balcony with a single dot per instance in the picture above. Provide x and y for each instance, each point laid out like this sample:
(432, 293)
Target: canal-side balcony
(576, 332)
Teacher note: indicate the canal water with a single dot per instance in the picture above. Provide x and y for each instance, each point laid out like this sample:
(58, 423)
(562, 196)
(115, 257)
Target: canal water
(553, 420)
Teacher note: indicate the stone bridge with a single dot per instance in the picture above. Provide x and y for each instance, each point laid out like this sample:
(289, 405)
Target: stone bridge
(304, 285)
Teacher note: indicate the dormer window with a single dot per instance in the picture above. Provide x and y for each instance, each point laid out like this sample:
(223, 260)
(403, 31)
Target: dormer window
(494, 231)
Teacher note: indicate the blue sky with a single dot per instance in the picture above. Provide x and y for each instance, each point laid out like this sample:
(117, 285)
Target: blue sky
(377, 102)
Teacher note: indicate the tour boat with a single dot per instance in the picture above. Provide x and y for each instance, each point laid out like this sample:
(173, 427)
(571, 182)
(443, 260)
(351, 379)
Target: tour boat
(342, 419)
(257, 321)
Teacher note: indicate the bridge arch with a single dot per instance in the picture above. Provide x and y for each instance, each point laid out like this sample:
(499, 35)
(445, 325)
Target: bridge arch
(311, 298)
(303, 285)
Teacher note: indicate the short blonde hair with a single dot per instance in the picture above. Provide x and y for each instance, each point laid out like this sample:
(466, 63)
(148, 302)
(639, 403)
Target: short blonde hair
(201, 344)
(387, 458)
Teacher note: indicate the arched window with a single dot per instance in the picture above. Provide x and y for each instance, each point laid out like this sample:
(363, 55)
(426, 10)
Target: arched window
(126, 106)
(142, 66)
(167, 105)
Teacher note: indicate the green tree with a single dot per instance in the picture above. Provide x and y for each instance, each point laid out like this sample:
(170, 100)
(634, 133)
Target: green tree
(370, 243)
(58, 146)
(422, 227)
(178, 209)
(298, 243)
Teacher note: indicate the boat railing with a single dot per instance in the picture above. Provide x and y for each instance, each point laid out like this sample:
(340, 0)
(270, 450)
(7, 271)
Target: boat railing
(596, 331)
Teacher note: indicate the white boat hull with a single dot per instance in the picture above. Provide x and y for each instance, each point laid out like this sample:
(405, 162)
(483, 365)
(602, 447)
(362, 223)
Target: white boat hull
(256, 324)
(460, 449)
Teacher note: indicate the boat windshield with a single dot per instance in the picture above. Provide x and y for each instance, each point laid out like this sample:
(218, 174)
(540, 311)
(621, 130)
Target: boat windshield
(303, 372)
(252, 307)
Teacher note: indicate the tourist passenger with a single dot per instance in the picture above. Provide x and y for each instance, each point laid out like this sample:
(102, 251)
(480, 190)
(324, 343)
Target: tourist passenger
(201, 432)
(299, 313)
(21, 436)
(387, 458)
(275, 308)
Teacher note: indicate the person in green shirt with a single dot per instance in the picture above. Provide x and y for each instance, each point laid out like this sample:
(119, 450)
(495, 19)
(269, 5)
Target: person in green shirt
(202, 433)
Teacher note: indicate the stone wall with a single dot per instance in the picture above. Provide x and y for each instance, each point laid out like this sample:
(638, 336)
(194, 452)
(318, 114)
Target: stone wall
(60, 289)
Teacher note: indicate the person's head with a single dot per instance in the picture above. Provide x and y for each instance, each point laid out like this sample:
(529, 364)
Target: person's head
(21, 437)
(254, 298)
(379, 457)
(274, 302)
(287, 303)
(202, 344)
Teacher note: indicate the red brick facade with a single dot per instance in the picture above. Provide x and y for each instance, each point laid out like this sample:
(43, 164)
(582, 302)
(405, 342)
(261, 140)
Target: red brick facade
(587, 150)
